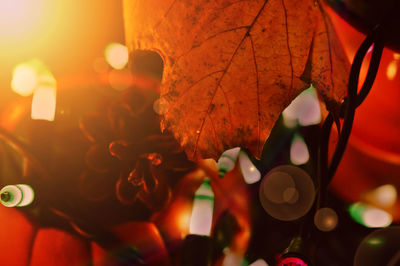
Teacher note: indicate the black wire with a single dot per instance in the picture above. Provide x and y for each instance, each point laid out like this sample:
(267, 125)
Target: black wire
(353, 99)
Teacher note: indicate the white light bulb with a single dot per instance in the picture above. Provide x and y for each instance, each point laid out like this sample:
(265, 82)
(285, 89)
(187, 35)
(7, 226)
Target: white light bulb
(232, 259)
(250, 173)
(374, 218)
(299, 151)
(44, 98)
(16, 195)
(202, 212)
(10, 195)
(227, 161)
(259, 262)
(28, 195)
(304, 109)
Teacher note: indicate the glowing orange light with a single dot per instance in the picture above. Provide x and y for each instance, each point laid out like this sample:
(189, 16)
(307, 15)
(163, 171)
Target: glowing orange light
(120, 79)
(116, 55)
(391, 70)
(100, 65)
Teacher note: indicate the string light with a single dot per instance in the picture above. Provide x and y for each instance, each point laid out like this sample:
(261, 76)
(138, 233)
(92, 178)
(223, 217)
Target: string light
(384, 196)
(259, 262)
(233, 259)
(44, 103)
(202, 212)
(20, 195)
(250, 173)
(227, 161)
(298, 151)
(369, 216)
(304, 109)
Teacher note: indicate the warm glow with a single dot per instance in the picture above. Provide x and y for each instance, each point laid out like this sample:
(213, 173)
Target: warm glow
(299, 151)
(120, 79)
(202, 212)
(100, 65)
(17, 16)
(116, 55)
(250, 173)
(391, 70)
(370, 216)
(304, 109)
(44, 104)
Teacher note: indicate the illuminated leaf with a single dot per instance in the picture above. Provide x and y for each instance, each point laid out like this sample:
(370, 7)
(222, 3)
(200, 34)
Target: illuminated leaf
(231, 67)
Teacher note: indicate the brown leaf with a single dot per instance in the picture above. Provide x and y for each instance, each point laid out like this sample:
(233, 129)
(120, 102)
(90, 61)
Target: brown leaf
(232, 66)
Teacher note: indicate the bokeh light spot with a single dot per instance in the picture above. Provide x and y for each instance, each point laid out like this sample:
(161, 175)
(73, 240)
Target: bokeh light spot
(116, 55)
(291, 195)
(24, 80)
(384, 196)
(160, 106)
(275, 185)
(381, 247)
(287, 193)
(391, 70)
(325, 219)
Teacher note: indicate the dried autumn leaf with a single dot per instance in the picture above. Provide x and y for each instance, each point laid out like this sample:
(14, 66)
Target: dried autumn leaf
(231, 66)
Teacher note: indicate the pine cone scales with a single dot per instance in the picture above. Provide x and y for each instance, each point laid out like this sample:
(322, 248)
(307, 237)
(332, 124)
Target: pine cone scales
(130, 158)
